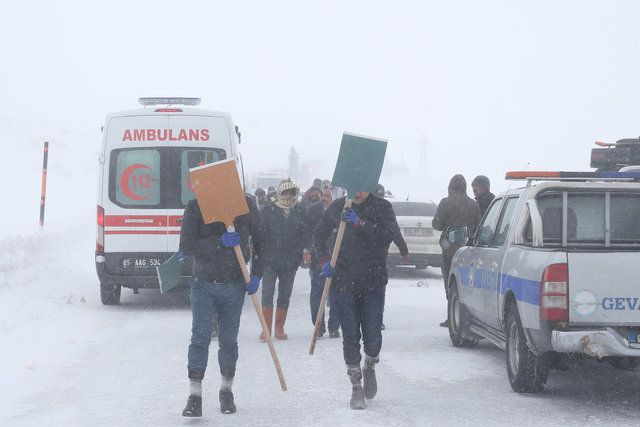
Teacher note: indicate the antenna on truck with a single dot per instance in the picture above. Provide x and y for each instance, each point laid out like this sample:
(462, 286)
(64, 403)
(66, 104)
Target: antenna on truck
(148, 101)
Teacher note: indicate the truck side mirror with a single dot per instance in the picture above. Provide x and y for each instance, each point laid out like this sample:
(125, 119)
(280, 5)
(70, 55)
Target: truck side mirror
(458, 235)
(239, 134)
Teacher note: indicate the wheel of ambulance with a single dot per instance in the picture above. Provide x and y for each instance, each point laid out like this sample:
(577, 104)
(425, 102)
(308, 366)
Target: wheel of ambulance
(110, 294)
(458, 319)
(527, 371)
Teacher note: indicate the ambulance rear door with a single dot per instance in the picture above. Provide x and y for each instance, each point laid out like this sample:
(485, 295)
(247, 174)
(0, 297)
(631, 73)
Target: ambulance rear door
(135, 197)
(208, 139)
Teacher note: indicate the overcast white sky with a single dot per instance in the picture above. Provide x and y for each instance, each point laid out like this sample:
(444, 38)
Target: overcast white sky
(493, 85)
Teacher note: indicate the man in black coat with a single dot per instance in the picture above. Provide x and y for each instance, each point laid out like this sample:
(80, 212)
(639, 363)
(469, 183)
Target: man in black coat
(481, 190)
(218, 286)
(360, 278)
(457, 209)
(287, 235)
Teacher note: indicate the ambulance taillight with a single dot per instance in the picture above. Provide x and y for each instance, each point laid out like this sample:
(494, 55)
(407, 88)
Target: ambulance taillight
(100, 230)
(554, 293)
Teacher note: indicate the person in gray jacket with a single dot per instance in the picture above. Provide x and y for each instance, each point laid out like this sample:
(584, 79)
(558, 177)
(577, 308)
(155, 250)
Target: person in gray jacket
(457, 209)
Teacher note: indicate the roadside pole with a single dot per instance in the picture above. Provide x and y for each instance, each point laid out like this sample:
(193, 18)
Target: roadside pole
(43, 191)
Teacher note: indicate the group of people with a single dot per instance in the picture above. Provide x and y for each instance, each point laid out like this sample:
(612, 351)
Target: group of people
(458, 209)
(282, 232)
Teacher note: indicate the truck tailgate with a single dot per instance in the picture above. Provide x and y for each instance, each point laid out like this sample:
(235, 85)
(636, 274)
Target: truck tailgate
(604, 288)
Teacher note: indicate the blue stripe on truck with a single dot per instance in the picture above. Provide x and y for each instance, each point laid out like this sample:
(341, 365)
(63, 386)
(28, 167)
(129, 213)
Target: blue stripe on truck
(524, 290)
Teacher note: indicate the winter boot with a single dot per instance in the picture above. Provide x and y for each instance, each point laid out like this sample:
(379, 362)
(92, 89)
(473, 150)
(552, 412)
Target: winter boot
(268, 317)
(193, 408)
(357, 394)
(370, 385)
(227, 406)
(321, 331)
(281, 317)
(334, 334)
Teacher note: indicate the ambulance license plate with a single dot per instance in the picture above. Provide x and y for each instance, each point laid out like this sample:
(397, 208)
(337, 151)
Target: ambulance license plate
(135, 263)
(427, 232)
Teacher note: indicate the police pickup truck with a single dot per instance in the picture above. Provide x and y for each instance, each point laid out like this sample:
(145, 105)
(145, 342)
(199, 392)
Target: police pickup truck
(551, 271)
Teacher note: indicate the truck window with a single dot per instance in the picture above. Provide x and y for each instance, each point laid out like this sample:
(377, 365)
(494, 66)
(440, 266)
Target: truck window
(625, 218)
(505, 221)
(191, 159)
(586, 218)
(487, 228)
(136, 181)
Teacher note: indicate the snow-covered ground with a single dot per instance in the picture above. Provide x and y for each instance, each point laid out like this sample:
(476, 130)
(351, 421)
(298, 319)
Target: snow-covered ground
(67, 360)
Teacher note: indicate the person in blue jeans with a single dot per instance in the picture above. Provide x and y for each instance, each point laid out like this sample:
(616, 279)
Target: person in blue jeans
(217, 287)
(314, 214)
(360, 278)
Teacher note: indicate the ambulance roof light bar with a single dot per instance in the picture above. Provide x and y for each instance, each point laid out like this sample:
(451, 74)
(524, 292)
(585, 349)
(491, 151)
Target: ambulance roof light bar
(571, 176)
(149, 101)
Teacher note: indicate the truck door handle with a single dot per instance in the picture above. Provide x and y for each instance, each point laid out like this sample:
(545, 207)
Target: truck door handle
(179, 221)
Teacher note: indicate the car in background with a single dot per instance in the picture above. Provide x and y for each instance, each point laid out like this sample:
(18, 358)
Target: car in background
(414, 219)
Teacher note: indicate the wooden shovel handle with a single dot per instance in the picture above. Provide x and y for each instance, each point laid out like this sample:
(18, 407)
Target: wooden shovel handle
(263, 323)
(327, 282)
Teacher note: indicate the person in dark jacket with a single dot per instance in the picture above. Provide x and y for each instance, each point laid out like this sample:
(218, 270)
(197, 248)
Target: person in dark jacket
(314, 215)
(481, 186)
(311, 196)
(398, 239)
(217, 285)
(360, 278)
(457, 209)
(287, 236)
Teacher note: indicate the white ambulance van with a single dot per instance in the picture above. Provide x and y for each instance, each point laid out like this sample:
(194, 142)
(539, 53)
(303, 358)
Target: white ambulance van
(144, 186)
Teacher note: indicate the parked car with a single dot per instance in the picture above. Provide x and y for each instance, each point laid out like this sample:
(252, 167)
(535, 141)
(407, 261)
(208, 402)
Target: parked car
(414, 219)
(551, 271)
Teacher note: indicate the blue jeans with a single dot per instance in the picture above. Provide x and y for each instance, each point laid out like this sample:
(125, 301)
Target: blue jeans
(317, 286)
(207, 299)
(360, 317)
(285, 287)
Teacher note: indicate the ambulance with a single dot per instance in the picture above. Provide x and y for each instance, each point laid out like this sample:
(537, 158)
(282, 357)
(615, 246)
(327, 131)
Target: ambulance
(144, 186)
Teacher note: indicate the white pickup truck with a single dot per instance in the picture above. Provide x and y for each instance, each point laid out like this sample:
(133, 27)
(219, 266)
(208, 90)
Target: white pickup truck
(552, 270)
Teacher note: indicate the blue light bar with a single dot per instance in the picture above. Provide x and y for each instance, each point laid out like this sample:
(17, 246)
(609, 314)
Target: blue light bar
(571, 176)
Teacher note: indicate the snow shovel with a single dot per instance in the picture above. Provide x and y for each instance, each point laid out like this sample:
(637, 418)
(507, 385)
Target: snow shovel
(357, 169)
(169, 273)
(221, 199)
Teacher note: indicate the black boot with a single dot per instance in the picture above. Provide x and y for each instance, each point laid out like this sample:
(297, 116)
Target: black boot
(193, 408)
(370, 384)
(357, 394)
(334, 334)
(226, 402)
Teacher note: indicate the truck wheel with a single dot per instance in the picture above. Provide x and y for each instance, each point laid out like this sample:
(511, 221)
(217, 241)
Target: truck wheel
(527, 371)
(110, 294)
(458, 320)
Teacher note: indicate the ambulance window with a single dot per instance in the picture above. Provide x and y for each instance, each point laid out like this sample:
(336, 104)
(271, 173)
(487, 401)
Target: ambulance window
(191, 159)
(137, 177)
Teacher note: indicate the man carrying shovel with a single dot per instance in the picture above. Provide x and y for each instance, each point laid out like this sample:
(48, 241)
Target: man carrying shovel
(218, 286)
(359, 278)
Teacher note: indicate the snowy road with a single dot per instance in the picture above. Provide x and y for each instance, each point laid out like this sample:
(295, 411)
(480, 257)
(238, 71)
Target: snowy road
(68, 360)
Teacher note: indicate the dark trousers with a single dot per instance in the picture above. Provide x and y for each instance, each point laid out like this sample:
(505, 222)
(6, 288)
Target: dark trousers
(226, 300)
(285, 287)
(447, 258)
(315, 296)
(360, 317)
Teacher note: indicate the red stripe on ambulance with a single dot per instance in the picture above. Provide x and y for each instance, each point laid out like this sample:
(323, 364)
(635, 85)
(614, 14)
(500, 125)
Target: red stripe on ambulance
(135, 220)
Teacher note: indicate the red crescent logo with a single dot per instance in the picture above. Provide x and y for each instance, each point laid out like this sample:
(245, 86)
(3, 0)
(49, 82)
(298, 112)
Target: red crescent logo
(124, 181)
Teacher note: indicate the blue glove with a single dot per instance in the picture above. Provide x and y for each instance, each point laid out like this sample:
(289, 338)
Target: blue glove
(230, 239)
(253, 285)
(350, 216)
(327, 271)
